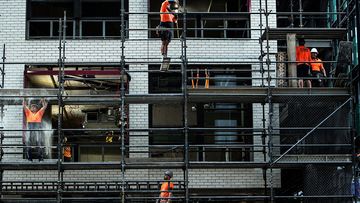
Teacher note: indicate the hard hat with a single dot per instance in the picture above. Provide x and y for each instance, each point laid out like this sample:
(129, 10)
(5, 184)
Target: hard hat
(171, 0)
(169, 173)
(314, 50)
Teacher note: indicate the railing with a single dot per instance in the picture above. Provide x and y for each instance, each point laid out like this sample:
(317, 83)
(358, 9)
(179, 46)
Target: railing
(150, 186)
(210, 25)
(87, 29)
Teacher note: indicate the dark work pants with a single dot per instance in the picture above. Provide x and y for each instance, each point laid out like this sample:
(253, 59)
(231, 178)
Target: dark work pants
(34, 138)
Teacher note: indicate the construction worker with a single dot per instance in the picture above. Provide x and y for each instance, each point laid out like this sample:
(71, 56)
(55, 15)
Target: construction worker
(67, 151)
(166, 187)
(303, 57)
(317, 68)
(167, 20)
(34, 116)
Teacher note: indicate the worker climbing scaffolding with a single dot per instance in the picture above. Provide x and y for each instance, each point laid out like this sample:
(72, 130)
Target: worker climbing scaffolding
(165, 28)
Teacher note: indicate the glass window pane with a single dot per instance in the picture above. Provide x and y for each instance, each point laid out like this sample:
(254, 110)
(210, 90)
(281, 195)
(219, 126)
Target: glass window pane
(103, 9)
(92, 29)
(113, 29)
(213, 154)
(51, 9)
(69, 29)
(112, 154)
(39, 29)
(90, 154)
(209, 26)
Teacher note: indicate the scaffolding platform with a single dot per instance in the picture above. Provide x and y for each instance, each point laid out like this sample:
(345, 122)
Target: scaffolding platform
(165, 165)
(306, 33)
(260, 94)
(213, 94)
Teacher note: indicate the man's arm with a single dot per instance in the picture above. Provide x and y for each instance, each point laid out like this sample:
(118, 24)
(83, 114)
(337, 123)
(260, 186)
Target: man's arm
(323, 70)
(168, 8)
(44, 104)
(24, 105)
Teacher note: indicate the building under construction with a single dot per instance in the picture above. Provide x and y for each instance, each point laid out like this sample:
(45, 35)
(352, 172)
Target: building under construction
(227, 118)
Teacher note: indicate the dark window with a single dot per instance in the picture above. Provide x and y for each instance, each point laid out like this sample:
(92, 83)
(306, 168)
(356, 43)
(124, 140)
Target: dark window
(92, 28)
(92, 116)
(103, 9)
(293, 20)
(112, 29)
(205, 145)
(40, 29)
(85, 18)
(164, 82)
(51, 9)
(170, 82)
(208, 23)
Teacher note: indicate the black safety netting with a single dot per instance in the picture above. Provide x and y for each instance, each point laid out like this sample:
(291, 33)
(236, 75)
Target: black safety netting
(313, 136)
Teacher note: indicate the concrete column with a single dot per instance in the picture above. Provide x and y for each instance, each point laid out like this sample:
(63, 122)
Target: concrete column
(291, 52)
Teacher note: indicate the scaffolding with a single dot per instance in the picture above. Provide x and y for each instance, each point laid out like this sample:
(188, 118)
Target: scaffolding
(287, 147)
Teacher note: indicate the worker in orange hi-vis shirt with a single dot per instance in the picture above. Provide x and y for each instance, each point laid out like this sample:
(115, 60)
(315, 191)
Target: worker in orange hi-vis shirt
(303, 58)
(34, 115)
(317, 68)
(166, 187)
(67, 151)
(167, 20)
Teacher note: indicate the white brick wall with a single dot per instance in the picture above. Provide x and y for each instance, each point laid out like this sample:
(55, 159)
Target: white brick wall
(12, 32)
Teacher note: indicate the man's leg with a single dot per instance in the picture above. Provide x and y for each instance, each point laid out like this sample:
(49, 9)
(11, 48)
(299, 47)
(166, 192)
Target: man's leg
(301, 83)
(309, 83)
(164, 48)
(40, 145)
(27, 143)
(308, 75)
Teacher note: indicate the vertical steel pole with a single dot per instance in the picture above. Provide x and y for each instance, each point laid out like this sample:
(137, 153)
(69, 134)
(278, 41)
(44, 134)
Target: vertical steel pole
(60, 62)
(60, 104)
(122, 92)
(262, 71)
(185, 95)
(300, 14)
(1, 121)
(3, 68)
(292, 14)
(269, 98)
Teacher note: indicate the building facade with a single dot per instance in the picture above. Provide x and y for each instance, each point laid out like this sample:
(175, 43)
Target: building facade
(222, 37)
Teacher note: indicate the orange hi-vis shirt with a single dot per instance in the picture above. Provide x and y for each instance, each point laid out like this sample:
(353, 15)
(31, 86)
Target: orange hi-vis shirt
(34, 117)
(166, 16)
(67, 152)
(165, 189)
(303, 54)
(317, 67)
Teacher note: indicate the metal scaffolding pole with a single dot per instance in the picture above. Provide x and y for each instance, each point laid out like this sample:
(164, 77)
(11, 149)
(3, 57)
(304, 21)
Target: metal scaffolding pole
(62, 42)
(2, 124)
(3, 68)
(262, 71)
(185, 106)
(269, 101)
(122, 90)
